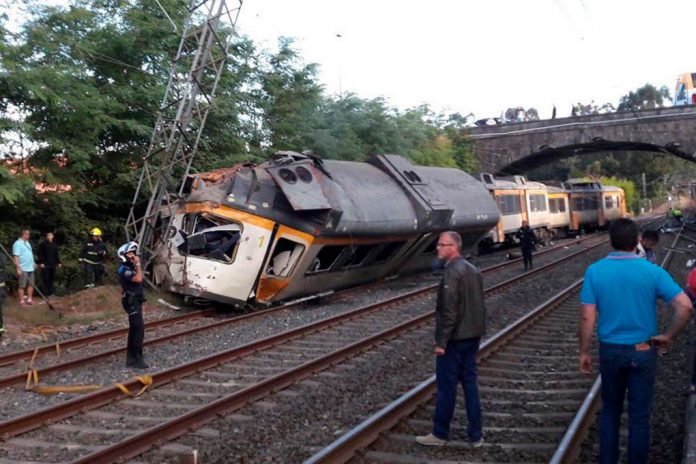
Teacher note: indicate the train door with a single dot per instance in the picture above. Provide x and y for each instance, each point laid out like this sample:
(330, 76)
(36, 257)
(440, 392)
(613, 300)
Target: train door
(284, 259)
(601, 213)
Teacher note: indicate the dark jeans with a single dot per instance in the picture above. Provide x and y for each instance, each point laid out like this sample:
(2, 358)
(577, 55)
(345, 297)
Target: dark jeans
(623, 368)
(93, 273)
(48, 275)
(136, 332)
(458, 365)
(527, 257)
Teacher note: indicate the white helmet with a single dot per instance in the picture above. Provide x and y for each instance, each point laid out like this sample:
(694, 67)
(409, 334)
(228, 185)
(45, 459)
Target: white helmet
(127, 248)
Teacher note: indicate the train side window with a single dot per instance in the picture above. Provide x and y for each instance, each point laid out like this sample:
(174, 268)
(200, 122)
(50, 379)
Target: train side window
(537, 203)
(326, 258)
(562, 205)
(286, 255)
(579, 204)
(553, 205)
(357, 255)
(387, 252)
(608, 202)
(509, 204)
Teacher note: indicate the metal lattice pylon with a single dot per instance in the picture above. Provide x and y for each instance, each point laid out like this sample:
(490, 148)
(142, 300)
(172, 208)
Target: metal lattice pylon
(208, 33)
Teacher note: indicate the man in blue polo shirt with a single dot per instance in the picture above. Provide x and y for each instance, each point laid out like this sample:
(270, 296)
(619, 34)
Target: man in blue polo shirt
(620, 294)
(24, 266)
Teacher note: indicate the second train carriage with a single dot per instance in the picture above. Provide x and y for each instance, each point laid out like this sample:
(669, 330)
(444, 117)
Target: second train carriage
(593, 205)
(296, 225)
(551, 210)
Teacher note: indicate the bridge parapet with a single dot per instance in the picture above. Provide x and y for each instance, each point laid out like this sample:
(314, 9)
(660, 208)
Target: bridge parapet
(516, 147)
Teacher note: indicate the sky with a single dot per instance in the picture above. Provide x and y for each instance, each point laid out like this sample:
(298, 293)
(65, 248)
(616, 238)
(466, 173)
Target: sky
(483, 56)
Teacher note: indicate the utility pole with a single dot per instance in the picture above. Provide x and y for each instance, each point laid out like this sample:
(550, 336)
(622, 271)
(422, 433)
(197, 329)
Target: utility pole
(645, 191)
(208, 31)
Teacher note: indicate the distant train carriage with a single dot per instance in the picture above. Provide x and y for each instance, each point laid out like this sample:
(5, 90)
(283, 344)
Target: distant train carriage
(297, 225)
(593, 205)
(685, 92)
(550, 210)
(521, 200)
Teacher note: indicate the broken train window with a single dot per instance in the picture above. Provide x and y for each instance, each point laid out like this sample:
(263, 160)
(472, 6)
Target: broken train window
(212, 238)
(286, 255)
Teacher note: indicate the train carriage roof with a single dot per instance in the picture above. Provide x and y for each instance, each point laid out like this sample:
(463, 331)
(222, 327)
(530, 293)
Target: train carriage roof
(385, 196)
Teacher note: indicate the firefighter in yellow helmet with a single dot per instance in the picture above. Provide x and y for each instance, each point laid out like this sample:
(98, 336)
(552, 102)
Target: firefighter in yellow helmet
(92, 258)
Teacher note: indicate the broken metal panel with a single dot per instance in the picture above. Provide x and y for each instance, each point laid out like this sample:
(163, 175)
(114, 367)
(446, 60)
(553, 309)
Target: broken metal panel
(301, 183)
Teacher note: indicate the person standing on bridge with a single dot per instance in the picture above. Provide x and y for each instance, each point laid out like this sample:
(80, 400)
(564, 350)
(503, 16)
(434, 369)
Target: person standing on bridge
(619, 293)
(460, 322)
(527, 242)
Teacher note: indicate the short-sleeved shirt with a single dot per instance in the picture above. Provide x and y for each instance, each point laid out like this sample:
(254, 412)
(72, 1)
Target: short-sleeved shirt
(625, 289)
(22, 249)
(126, 274)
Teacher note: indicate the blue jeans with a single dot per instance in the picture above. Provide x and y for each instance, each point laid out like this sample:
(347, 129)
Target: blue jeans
(458, 365)
(623, 368)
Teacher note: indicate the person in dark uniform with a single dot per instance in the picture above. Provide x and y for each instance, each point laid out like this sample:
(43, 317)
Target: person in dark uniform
(49, 261)
(130, 274)
(2, 293)
(527, 242)
(92, 256)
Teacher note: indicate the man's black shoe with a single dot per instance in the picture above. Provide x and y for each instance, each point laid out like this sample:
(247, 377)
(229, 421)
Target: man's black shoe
(140, 365)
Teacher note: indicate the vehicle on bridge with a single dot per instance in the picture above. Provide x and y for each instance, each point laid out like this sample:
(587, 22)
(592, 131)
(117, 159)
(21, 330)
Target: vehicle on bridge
(551, 210)
(297, 225)
(685, 92)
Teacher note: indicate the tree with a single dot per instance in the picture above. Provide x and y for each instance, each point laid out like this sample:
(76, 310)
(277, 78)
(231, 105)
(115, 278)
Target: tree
(646, 97)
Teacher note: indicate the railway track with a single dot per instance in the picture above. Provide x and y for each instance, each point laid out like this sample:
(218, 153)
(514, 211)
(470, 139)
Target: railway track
(53, 358)
(529, 388)
(569, 448)
(537, 407)
(190, 395)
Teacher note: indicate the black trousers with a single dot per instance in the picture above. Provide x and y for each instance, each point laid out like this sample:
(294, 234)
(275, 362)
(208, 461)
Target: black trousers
(527, 257)
(93, 273)
(136, 331)
(2, 324)
(48, 276)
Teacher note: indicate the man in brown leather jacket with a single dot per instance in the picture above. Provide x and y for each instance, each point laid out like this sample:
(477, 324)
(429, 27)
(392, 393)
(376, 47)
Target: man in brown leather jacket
(460, 322)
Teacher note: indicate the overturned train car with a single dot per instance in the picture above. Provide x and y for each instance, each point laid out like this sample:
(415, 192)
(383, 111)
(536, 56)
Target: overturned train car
(298, 225)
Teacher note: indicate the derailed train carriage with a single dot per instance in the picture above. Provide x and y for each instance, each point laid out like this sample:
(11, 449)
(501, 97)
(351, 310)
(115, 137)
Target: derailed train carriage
(297, 225)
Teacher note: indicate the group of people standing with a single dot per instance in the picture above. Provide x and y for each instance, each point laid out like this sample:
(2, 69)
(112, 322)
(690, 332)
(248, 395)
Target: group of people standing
(619, 295)
(92, 257)
(93, 254)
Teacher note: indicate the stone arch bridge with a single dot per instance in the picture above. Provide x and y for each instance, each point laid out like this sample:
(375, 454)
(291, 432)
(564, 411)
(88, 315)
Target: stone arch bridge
(518, 147)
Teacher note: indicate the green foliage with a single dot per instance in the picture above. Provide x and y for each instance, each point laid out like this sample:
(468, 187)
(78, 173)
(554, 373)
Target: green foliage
(80, 87)
(646, 97)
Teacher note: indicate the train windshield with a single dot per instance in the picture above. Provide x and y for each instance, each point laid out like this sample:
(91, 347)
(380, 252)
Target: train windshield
(211, 240)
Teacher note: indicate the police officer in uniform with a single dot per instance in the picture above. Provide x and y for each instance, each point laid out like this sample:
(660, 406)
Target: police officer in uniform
(92, 256)
(130, 274)
(527, 242)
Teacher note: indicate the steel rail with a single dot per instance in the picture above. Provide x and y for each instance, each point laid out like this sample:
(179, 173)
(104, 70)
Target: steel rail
(144, 441)
(568, 449)
(20, 377)
(16, 356)
(15, 426)
(363, 435)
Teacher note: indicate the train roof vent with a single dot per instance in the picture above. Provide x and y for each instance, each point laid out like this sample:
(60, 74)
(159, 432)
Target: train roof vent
(487, 178)
(301, 184)
(520, 180)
